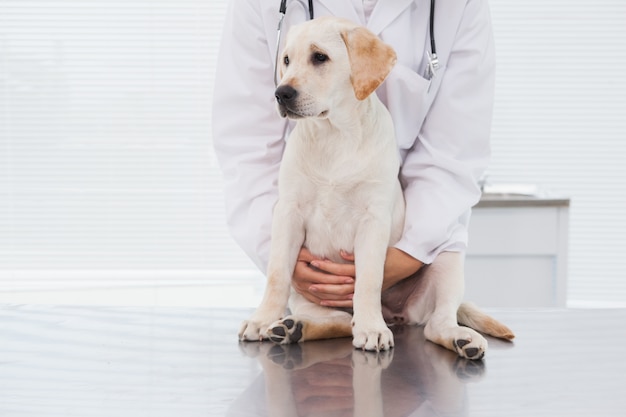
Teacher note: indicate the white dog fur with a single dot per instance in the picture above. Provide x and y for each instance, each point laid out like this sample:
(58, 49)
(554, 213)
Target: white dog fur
(339, 190)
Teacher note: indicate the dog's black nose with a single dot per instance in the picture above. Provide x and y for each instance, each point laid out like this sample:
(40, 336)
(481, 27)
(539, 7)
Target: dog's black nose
(285, 94)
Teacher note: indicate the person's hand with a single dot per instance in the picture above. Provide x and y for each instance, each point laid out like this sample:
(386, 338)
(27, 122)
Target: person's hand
(324, 282)
(331, 284)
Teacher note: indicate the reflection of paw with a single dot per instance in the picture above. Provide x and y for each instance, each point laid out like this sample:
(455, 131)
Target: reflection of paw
(380, 359)
(285, 331)
(469, 344)
(372, 337)
(252, 350)
(289, 357)
(285, 356)
(468, 370)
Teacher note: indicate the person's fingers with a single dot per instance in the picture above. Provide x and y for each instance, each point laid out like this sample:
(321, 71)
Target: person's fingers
(346, 256)
(324, 282)
(302, 277)
(332, 268)
(310, 297)
(332, 291)
(347, 303)
(328, 295)
(316, 275)
(305, 275)
(306, 256)
(337, 303)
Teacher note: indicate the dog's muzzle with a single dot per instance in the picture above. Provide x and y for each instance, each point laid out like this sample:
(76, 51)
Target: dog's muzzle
(286, 98)
(296, 105)
(286, 95)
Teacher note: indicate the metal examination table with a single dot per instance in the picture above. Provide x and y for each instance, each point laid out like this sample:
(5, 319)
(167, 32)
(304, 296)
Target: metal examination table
(118, 362)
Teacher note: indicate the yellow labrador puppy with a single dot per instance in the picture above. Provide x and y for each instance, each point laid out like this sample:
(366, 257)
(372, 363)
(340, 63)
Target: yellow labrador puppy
(339, 190)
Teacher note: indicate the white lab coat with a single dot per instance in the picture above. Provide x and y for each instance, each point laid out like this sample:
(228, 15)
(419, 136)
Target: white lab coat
(442, 125)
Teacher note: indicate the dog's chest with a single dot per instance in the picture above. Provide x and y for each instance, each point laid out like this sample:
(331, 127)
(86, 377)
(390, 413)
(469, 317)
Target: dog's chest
(332, 213)
(334, 184)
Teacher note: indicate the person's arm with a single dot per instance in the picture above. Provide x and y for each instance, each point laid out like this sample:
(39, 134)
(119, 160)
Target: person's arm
(440, 173)
(247, 131)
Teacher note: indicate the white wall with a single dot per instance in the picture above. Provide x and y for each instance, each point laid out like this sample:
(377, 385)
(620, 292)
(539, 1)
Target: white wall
(560, 122)
(105, 153)
(105, 149)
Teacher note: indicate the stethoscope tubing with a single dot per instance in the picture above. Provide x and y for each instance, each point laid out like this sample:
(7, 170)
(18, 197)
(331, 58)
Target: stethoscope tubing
(282, 10)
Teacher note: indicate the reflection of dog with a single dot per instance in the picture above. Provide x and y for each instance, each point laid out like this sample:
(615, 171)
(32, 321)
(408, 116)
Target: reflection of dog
(339, 190)
(330, 378)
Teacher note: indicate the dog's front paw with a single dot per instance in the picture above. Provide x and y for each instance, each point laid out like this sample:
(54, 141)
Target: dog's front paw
(285, 331)
(372, 337)
(470, 344)
(254, 330)
(256, 327)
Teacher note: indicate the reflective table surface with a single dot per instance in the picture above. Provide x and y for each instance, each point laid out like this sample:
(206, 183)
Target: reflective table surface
(94, 361)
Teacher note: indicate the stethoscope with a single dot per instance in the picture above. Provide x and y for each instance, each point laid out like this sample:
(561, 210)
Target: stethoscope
(433, 62)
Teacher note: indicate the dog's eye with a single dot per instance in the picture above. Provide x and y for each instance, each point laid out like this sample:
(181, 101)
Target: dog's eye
(286, 60)
(319, 58)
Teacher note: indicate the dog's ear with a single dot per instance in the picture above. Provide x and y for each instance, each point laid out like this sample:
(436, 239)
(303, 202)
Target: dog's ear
(371, 60)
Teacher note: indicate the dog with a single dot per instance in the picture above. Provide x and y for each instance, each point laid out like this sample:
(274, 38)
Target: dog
(339, 190)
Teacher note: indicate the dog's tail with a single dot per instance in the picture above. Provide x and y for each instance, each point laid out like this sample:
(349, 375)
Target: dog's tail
(469, 315)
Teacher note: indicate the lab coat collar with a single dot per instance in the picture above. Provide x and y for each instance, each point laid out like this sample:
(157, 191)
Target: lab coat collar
(384, 16)
(340, 8)
(381, 16)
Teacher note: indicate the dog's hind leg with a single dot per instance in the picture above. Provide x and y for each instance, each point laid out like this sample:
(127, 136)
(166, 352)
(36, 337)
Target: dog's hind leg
(438, 306)
(309, 322)
(471, 316)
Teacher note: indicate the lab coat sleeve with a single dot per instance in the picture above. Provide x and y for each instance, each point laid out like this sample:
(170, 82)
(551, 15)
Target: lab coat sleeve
(440, 172)
(247, 131)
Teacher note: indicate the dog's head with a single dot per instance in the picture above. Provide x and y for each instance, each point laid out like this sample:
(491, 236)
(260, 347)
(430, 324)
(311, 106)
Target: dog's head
(326, 62)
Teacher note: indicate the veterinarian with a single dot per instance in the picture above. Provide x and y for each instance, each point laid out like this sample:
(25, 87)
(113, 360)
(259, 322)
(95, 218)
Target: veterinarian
(441, 106)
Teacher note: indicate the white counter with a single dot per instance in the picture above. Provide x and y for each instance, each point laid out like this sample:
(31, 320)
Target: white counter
(517, 254)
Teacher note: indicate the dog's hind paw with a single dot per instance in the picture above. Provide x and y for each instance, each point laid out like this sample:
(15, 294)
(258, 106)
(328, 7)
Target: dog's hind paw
(466, 342)
(471, 347)
(285, 331)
